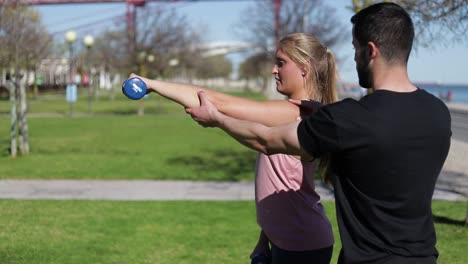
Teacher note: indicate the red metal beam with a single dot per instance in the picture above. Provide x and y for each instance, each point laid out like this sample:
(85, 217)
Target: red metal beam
(61, 2)
(55, 2)
(277, 6)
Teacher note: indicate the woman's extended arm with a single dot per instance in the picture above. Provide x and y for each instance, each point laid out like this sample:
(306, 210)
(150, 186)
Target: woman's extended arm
(268, 140)
(269, 113)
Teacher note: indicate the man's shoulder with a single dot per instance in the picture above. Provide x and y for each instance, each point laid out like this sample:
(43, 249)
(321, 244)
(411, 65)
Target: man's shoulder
(432, 99)
(346, 105)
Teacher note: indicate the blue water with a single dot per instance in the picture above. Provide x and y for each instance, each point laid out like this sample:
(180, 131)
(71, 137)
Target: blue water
(459, 92)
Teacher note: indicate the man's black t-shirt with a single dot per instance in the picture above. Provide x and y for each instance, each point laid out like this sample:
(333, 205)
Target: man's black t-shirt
(387, 150)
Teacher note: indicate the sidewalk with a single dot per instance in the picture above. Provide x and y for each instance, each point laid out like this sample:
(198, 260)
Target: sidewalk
(458, 107)
(454, 175)
(144, 190)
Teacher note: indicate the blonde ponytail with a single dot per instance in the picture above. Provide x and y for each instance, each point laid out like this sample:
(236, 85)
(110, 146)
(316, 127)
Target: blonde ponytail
(329, 94)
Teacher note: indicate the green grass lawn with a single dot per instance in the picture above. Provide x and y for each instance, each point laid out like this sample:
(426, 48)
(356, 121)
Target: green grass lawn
(162, 232)
(452, 234)
(126, 147)
(126, 232)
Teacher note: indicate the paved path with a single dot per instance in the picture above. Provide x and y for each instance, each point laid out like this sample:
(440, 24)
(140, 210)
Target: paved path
(132, 190)
(454, 175)
(143, 190)
(459, 113)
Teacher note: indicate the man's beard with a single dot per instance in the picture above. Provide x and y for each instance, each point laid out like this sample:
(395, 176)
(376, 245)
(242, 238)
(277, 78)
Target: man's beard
(365, 76)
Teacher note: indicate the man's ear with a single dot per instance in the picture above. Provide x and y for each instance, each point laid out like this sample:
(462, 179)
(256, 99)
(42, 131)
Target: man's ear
(373, 50)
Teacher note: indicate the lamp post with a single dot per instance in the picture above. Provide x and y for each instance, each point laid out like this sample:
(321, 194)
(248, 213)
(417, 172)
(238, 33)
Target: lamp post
(89, 41)
(173, 62)
(63, 65)
(70, 38)
(141, 62)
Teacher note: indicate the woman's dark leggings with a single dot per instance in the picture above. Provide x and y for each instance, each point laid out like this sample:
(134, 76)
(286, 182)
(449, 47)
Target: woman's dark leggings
(318, 256)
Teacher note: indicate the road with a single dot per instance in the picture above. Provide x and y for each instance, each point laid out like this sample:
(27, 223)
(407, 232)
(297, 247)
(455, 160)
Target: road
(459, 124)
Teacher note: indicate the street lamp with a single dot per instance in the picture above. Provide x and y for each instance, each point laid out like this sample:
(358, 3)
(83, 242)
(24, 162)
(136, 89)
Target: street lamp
(89, 41)
(173, 62)
(150, 58)
(70, 37)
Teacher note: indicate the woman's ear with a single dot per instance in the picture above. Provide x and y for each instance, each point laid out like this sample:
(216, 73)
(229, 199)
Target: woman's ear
(304, 71)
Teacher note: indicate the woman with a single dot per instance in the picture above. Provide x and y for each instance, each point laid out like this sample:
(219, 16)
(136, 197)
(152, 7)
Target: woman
(294, 227)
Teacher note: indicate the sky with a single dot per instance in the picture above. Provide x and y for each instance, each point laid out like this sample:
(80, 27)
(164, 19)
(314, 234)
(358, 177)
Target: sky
(440, 64)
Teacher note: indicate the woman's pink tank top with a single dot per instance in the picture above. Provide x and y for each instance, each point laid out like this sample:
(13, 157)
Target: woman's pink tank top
(288, 208)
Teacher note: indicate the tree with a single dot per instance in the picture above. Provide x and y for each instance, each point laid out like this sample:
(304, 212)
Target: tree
(436, 21)
(255, 67)
(313, 17)
(213, 67)
(168, 35)
(163, 34)
(24, 43)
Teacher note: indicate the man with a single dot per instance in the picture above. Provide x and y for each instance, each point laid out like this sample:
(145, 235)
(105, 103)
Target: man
(387, 149)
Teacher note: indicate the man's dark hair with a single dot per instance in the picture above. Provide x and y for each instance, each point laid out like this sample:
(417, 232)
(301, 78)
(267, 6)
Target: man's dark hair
(389, 26)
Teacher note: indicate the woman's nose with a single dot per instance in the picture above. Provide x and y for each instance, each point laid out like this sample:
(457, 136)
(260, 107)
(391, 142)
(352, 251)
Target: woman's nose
(274, 70)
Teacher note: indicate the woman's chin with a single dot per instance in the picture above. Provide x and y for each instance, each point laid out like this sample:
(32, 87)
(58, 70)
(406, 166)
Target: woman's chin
(280, 91)
(278, 86)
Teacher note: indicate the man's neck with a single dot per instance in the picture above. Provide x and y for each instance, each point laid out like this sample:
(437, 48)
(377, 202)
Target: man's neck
(393, 78)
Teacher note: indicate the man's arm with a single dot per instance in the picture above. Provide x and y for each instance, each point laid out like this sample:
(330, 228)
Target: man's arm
(270, 113)
(268, 140)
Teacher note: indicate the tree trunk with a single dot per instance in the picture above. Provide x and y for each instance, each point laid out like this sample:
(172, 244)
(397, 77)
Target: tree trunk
(265, 85)
(141, 107)
(246, 85)
(22, 120)
(12, 91)
(36, 88)
(466, 216)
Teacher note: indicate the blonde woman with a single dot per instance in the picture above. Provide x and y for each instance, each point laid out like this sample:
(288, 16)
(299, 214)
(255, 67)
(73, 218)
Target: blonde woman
(294, 227)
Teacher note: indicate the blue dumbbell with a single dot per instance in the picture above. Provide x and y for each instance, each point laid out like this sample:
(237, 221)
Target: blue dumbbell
(134, 88)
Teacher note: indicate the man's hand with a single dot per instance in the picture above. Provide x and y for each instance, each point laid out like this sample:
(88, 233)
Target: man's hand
(206, 115)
